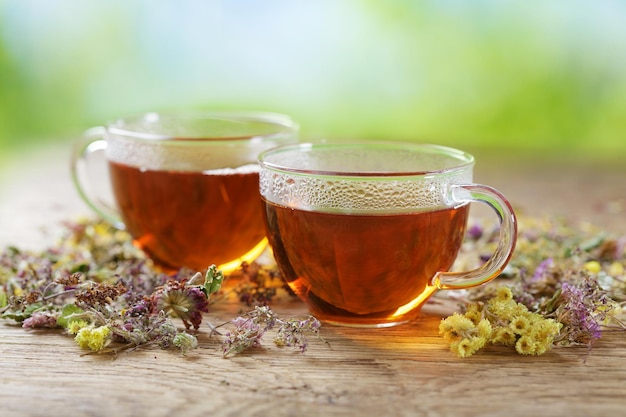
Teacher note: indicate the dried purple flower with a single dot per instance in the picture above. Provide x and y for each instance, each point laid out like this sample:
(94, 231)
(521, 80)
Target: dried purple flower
(583, 308)
(179, 300)
(475, 232)
(249, 330)
(542, 269)
(41, 320)
(246, 334)
(293, 332)
(141, 308)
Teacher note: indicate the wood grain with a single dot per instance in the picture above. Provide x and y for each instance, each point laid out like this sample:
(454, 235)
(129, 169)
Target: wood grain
(406, 370)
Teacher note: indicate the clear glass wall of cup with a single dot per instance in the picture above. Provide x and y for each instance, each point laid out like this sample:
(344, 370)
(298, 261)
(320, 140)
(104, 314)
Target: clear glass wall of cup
(365, 233)
(184, 185)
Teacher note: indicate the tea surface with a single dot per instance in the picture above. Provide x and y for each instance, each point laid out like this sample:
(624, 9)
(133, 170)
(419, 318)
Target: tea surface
(191, 219)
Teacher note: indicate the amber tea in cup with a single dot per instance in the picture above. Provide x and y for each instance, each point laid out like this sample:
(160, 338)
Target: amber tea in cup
(366, 233)
(185, 186)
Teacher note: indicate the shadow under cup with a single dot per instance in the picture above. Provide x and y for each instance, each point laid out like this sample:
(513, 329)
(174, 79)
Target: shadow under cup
(365, 233)
(185, 186)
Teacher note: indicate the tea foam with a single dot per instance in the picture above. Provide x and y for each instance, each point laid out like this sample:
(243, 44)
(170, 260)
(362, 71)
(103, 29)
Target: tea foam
(242, 170)
(362, 180)
(358, 195)
(172, 155)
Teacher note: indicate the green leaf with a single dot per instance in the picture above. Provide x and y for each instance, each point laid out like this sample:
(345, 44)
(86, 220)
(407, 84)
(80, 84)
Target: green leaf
(21, 315)
(4, 300)
(593, 242)
(84, 268)
(212, 280)
(69, 313)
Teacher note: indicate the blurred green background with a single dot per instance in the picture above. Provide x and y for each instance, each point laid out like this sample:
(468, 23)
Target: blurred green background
(536, 76)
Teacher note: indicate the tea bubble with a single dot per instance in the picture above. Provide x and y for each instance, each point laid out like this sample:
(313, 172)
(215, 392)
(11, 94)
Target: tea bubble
(359, 194)
(185, 156)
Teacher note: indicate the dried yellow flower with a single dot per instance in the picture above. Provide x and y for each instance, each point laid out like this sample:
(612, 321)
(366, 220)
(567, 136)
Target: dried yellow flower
(502, 321)
(526, 345)
(463, 348)
(474, 316)
(464, 336)
(503, 294)
(74, 326)
(616, 269)
(484, 328)
(592, 267)
(94, 338)
(503, 336)
(455, 327)
(520, 325)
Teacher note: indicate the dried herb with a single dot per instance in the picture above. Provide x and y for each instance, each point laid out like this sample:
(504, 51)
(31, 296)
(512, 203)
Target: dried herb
(258, 285)
(563, 287)
(102, 290)
(247, 331)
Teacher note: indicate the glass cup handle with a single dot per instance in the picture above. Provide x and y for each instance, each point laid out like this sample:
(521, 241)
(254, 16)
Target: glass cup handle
(88, 146)
(463, 194)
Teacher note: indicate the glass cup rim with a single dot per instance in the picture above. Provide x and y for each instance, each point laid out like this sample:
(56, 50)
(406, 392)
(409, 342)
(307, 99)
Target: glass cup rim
(283, 123)
(466, 160)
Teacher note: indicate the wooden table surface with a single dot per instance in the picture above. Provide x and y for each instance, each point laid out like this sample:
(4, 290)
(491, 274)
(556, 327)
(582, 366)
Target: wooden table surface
(406, 370)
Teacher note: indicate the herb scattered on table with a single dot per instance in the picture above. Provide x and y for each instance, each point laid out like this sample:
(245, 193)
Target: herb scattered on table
(248, 330)
(105, 292)
(563, 287)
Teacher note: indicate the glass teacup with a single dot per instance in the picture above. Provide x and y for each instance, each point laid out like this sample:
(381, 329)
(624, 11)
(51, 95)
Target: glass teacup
(365, 233)
(185, 185)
